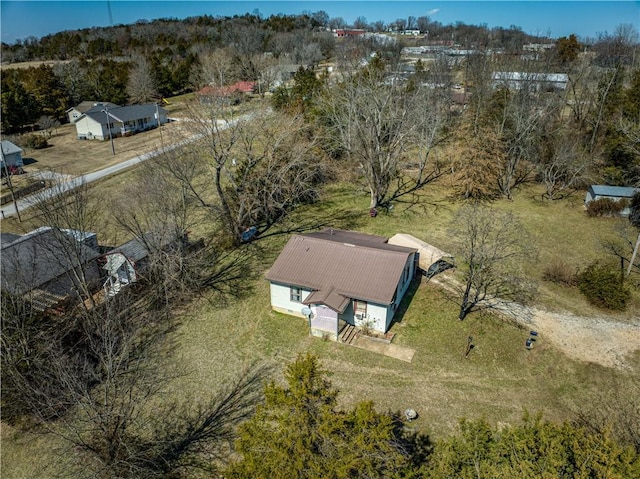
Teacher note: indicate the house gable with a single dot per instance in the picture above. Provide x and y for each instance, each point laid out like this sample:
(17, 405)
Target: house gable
(342, 270)
(358, 269)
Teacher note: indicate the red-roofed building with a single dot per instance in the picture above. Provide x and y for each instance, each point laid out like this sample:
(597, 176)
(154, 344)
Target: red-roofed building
(240, 87)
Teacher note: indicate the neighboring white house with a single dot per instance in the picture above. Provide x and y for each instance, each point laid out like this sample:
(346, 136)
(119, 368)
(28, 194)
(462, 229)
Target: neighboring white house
(11, 154)
(121, 120)
(336, 277)
(534, 81)
(77, 111)
(616, 193)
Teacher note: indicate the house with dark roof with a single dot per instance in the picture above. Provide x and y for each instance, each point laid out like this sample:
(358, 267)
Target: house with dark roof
(46, 265)
(615, 193)
(102, 121)
(337, 277)
(124, 264)
(77, 111)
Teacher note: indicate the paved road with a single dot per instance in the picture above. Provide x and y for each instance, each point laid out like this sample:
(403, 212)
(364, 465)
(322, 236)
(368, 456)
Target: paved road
(27, 202)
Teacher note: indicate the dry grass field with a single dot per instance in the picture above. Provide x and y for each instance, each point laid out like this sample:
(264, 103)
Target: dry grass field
(68, 155)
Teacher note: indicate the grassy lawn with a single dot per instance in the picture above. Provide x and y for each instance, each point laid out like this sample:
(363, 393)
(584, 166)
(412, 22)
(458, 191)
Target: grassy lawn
(498, 380)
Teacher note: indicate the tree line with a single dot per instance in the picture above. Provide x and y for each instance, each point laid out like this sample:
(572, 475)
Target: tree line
(95, 375)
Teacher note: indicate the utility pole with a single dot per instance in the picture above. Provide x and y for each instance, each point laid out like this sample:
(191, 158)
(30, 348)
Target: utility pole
(106, 112)
(9, 183)
(159, 125)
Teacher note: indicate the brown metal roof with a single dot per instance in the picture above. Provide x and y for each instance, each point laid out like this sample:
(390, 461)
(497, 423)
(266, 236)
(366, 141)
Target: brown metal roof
(355, 265)
(330, 297)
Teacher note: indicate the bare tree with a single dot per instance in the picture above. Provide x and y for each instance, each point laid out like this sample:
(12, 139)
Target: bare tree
(614, 411)
(490, 247)
(262, 165)
(141, 86)
(48, 124)
(159, 210)
(97, 381)
(215, 68)
(520, 118)
(70, 214)
(634, 220)
(389, 132)
(565, 166)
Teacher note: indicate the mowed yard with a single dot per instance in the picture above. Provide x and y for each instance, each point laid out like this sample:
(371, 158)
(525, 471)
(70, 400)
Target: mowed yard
(499, 379)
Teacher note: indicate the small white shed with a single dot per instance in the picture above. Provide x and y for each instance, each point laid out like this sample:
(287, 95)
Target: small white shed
(11, 154)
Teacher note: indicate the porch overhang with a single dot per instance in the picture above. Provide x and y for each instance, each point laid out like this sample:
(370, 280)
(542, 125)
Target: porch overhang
(329, 297)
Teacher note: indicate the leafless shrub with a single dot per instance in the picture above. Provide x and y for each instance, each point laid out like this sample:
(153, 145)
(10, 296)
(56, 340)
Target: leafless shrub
(560, 272)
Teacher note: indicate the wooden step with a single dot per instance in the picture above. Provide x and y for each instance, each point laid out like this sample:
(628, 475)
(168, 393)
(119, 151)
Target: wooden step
(348, 334)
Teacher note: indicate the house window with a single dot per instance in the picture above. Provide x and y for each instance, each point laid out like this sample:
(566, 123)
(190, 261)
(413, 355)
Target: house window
(360, 308)
(295, 294)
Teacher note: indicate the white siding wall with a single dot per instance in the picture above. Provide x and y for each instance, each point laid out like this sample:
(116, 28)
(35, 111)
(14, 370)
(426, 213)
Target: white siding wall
(378, 315)
(86, 127)
(281, 299)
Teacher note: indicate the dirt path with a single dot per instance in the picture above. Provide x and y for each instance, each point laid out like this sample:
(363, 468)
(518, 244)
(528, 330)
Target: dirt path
(603, 340)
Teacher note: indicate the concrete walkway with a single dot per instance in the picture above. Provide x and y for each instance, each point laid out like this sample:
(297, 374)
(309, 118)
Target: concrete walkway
(391, 350)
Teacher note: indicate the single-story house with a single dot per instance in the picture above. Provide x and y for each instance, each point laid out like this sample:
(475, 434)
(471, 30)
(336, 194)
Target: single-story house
(43, 265)
(11, 155)
(616, 193)
(77, 111)
(534, 81)
(337, 277)
(99, 122)
(230, 93)
(348, 32)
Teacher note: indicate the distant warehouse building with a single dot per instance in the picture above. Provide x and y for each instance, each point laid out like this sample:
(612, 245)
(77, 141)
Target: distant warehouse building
(531, 80)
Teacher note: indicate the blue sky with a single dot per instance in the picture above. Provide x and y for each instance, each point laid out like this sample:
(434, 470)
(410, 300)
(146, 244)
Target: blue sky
(23, 18)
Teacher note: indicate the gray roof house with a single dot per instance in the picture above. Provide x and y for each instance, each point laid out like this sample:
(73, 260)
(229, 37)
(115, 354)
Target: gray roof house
(10, 154)
(40, 265)
(125, 263)
(616, 193)
(337, 277)
(101, 121)
(77, 111)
